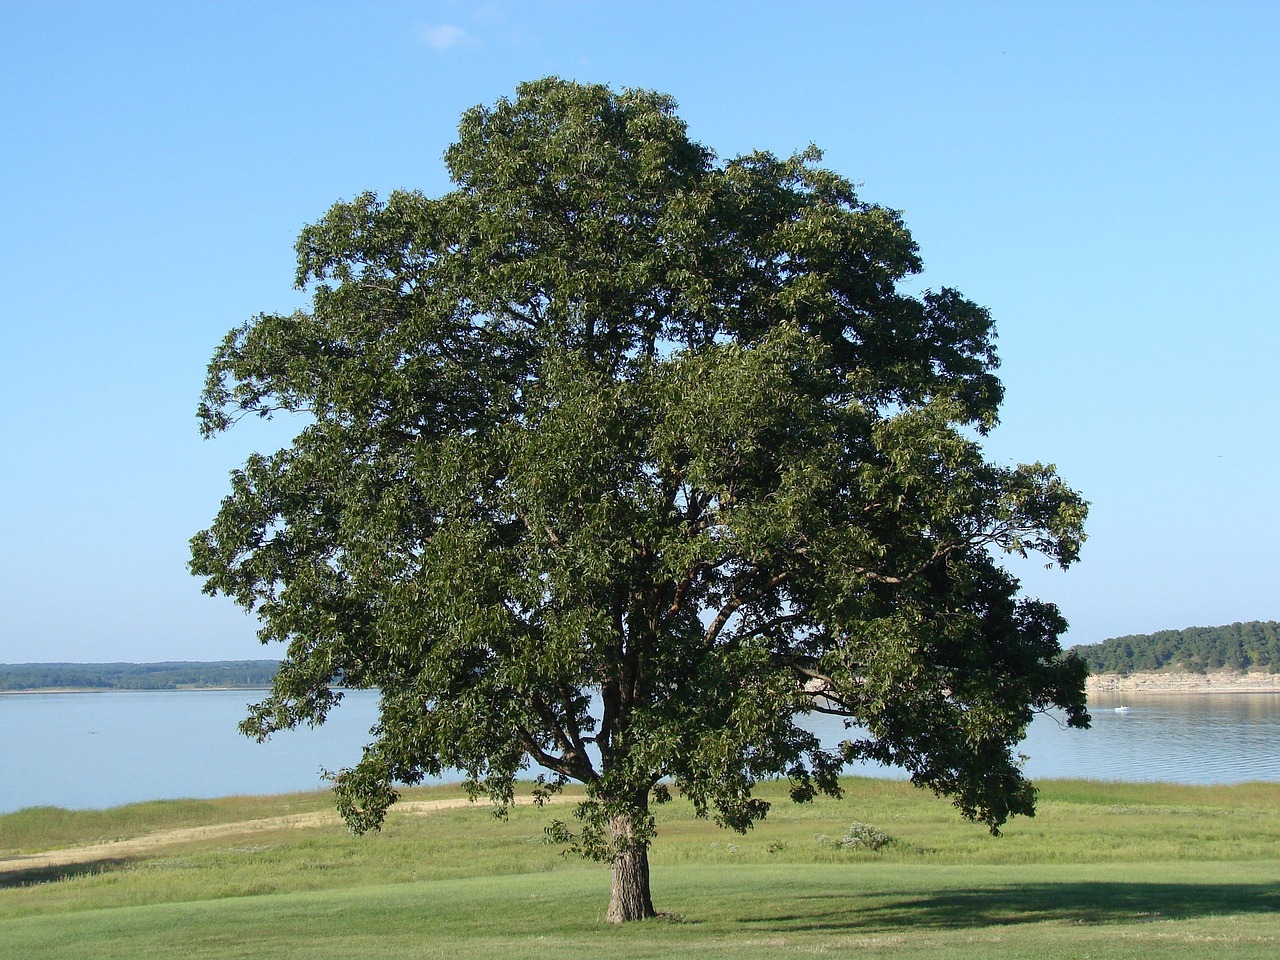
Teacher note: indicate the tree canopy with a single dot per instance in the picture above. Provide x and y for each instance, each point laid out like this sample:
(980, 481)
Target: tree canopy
(618, 460)
(1234, 646)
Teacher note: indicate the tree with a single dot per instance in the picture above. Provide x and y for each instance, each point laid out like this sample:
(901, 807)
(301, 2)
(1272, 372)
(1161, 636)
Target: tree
(620, 460)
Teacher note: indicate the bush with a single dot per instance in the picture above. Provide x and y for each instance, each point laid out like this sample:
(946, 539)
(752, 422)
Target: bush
(859, 836)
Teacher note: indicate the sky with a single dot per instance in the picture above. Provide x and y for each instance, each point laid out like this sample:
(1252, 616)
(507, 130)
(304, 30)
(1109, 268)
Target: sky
(1102, 176)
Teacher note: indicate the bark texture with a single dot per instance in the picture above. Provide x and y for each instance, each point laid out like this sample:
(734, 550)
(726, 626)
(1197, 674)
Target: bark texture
(629, 897)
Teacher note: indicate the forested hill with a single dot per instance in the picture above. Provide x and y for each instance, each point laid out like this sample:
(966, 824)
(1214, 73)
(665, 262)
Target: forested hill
(173, 675)
(1237, 646)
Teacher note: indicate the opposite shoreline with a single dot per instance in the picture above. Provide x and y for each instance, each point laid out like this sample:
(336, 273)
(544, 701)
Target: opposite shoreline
(1182, 684)
(1151, 682)
(34, 690)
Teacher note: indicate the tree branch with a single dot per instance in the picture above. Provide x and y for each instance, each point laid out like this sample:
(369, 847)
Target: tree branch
(735, 603)
(577, 767)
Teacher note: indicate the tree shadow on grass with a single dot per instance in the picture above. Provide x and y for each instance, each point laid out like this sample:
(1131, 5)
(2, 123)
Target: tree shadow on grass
(1088, 903)
(15, 875)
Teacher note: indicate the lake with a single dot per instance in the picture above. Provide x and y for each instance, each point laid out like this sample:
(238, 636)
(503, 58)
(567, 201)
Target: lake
(89, 750)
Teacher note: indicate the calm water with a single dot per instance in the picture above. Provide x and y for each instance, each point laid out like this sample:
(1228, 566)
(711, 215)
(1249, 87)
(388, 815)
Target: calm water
(83, 750)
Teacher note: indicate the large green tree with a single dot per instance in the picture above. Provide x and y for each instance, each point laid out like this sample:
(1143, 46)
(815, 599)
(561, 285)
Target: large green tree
(619, 460)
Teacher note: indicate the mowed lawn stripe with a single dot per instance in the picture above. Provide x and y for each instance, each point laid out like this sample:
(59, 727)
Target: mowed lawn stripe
(1183, 909)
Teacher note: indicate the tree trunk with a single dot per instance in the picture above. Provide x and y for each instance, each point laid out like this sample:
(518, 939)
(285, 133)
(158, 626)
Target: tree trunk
(629, 897)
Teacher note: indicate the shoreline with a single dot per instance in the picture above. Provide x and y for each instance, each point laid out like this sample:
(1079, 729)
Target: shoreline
(1152, 682)
(37, 690)
(1182, 684)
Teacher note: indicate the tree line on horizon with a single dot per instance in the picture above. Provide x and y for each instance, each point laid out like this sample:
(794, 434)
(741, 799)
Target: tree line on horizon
(173, 675)
(1234, 646)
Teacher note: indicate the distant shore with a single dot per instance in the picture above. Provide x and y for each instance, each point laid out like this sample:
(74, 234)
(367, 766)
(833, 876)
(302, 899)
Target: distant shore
(4, 693)
(1221, 681)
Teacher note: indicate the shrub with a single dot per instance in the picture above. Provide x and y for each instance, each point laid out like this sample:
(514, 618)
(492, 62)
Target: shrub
(859, 836)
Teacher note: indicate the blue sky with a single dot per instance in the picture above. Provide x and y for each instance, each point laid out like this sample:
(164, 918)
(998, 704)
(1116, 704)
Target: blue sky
(1102, 176)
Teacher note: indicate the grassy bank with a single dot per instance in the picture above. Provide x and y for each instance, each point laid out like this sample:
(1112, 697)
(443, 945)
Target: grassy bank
(1115, 870)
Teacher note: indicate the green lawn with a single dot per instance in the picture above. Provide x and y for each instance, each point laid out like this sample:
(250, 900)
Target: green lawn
(1105, 870)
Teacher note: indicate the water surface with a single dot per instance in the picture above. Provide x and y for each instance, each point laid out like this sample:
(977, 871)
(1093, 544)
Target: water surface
(86, 750)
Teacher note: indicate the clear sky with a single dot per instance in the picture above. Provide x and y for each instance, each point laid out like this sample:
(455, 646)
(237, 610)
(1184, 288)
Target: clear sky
(1105, 177)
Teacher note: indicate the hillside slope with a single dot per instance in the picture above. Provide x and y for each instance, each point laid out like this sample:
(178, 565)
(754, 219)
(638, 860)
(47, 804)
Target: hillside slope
(1235, 646)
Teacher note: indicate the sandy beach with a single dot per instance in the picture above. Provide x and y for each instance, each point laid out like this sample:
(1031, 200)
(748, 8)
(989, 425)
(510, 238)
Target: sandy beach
(1183, 684)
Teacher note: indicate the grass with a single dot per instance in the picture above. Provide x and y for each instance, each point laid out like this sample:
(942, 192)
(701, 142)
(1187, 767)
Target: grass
(1104, 870)
(50, 828)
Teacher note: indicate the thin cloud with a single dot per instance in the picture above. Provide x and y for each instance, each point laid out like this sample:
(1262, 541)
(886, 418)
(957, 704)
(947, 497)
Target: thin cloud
(444, 36)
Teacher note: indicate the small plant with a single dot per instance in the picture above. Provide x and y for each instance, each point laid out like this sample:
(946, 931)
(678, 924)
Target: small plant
(859, 836)
(863, 836)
